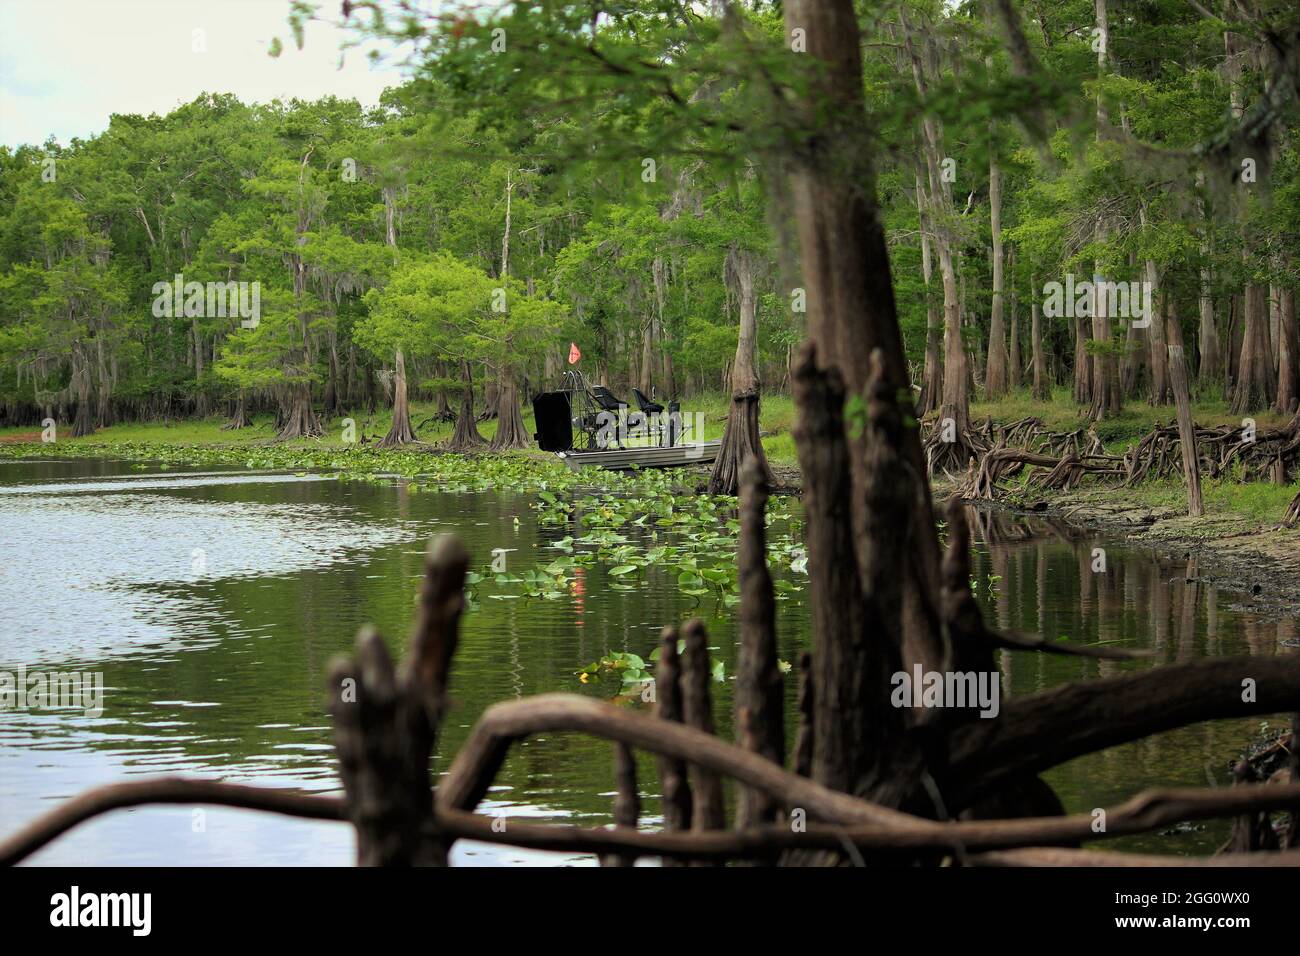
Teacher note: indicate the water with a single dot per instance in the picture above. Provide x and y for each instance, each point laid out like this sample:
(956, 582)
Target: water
(212, 602)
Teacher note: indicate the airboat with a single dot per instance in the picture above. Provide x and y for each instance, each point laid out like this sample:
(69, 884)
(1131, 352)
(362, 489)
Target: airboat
(609, 433)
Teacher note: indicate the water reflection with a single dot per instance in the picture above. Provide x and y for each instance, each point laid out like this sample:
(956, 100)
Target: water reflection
(216, 668)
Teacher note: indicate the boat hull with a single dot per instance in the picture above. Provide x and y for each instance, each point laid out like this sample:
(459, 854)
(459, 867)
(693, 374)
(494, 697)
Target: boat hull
(650, 456)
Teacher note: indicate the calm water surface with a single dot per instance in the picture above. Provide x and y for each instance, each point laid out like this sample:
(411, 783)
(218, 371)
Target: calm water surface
(213, 600)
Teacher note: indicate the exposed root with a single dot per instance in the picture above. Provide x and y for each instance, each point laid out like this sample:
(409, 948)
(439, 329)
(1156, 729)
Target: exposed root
(1060, 461)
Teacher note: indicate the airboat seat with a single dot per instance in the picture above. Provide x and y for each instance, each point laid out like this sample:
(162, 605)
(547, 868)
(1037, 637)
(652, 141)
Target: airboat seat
(606, 399)
(646, 405)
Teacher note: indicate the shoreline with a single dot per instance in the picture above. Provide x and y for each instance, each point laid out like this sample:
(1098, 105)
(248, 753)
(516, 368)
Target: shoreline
(1261, 562)
(1258, 560)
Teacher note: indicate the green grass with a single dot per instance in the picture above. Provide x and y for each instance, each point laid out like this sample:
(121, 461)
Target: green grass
(777, 420)
(1251, 503)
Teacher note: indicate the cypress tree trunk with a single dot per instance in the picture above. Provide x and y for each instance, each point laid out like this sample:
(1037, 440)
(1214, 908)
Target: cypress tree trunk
(240, 417)
(1210, 372)
(511, 432)
(299, 419)
(740, 440)
(1183, 401)
(932, 373)
(1016, 368)
(401, 432)
(995, 380)
(954, 408)
(853, 324)
(200, 396)
(1107, 396)
(1254, 389)
(1042, 380)
(84, 423)
(465, 436)
(1082, 365)
(1288, 376)
(646, 379)
(1156, 335)
(104, 393)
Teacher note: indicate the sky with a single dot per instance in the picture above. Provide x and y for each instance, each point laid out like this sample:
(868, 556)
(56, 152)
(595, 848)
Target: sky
(66, 65)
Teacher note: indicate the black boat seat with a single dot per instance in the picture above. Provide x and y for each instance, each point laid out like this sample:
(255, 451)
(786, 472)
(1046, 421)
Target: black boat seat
(607, 399)
(646, 405)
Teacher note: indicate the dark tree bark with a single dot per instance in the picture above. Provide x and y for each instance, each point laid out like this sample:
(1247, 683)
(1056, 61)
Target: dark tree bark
(760, 723)
(386, 722)
(1082, 363)
(1015, 370)
(83, 424)
(850, 295)
(932, 372)
(627, 801)
(1107, 395)
(673, 783)
(708, 811)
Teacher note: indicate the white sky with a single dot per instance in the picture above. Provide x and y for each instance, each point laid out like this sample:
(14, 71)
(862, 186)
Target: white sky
(65, 65)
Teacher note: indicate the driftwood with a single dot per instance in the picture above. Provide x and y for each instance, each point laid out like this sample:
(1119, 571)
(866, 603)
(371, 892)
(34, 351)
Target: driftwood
(1292, 516)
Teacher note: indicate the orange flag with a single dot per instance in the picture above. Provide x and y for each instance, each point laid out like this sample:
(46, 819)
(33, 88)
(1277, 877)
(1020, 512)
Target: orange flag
(574, 355)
